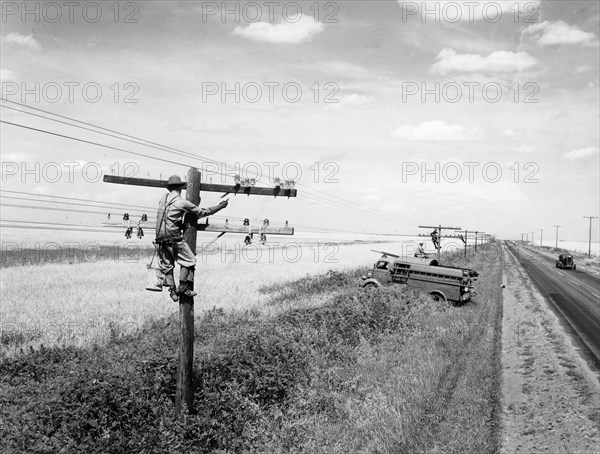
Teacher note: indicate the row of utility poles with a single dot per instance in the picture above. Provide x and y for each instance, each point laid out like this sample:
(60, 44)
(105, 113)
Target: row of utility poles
(458, 233)
(525, 236)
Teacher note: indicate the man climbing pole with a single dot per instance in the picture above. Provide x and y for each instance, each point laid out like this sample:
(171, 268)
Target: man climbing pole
(169, 237)
(435, 238)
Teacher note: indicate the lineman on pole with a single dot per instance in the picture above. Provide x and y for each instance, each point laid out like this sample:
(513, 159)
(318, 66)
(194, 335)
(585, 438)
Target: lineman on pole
(169, 238)
(435, 238)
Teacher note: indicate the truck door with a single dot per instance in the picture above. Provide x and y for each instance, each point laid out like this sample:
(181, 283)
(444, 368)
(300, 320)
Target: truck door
(381, 272)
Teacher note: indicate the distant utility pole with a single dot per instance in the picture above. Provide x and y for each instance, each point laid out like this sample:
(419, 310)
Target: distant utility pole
(590, 237)
(477, 233)
(557, 226)
(541, 236)
(465, 239)
(532, 238)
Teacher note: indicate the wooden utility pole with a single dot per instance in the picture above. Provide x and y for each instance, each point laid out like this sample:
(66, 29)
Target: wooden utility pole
(590, 235)
(541, 237)
(466, 240)
(184, 394)
(439, 229)
(557, 226)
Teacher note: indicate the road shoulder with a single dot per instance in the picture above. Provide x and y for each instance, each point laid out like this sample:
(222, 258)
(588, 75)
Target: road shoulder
(551, 396)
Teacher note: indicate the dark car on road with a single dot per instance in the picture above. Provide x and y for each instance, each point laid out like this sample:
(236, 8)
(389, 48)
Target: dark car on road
(565, 261)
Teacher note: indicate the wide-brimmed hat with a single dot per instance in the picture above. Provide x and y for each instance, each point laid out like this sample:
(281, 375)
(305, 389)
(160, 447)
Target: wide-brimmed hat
(175, 182)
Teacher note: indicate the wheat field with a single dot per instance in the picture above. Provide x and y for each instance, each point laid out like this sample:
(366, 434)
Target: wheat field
(88, 303)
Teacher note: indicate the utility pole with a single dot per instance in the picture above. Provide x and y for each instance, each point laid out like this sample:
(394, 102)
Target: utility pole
(541, 236)
(439, 229)
(557, 226)
(184, 393)
(590, 236)
(476, 234)
(465, 240)
(532, 243)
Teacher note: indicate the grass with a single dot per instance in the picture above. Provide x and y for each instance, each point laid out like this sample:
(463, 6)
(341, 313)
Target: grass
(361, 371)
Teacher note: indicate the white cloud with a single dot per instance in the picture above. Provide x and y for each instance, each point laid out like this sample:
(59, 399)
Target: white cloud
(498, 62)
(370, 197)
(559, 32)
(341, 70)
(355, 99)
(370, 194)
(5, 74)
(524, 149)
(285, 32)
(13, 157)
(22, 40)
(394, 207)
(437, 131)
(510, 132)
(454, 11)
(581, 153)
(582, 69)
(45, 190)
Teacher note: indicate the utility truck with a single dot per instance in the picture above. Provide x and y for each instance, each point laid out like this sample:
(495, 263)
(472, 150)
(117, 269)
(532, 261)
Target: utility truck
(444, 283)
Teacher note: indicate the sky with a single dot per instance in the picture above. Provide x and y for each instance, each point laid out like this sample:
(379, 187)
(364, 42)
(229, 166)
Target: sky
(387, 114)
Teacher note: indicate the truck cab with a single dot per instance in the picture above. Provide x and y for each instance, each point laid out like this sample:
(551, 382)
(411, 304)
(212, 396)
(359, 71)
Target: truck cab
(381, 272)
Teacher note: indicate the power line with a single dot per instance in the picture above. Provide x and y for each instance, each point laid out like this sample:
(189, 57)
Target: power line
(36, 207)
(115, 207)
(64, 136)
(19, 224)
(71, 198)
(130, 208)
(161, 148)
(63, 203)
(348, 204)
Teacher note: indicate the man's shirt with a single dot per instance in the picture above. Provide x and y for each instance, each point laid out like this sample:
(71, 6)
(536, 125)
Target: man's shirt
(176, 207)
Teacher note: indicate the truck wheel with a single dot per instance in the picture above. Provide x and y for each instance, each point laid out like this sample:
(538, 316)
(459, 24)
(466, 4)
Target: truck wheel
(437, 296)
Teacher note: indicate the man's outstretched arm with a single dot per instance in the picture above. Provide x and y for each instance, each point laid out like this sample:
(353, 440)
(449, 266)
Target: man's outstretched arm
(203, 212)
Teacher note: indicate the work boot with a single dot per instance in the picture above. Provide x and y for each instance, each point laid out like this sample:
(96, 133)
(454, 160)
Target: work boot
(173, 294)
(185, 289)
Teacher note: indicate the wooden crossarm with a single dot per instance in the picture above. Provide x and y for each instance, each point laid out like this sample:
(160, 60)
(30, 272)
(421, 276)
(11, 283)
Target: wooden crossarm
(245, 229)
(427, 235)
(208, 187)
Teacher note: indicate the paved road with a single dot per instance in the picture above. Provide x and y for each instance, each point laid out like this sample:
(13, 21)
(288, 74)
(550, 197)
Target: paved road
(574, 294)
